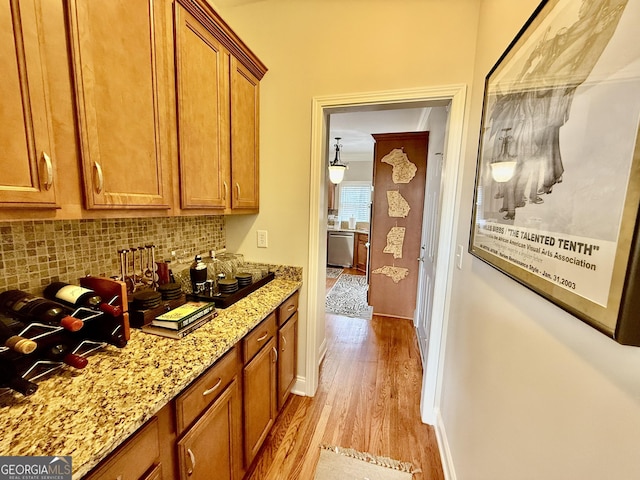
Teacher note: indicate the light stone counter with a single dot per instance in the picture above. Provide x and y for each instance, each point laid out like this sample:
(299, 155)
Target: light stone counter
(88, 413)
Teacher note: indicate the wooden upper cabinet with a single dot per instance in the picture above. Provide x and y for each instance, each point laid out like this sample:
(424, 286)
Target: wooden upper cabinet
(27, 162)
(121, 52)
(245, 135)
(218, 81)
(202, 81)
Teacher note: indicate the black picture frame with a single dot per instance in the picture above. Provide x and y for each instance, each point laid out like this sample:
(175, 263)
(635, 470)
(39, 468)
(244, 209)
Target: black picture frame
(557, 188)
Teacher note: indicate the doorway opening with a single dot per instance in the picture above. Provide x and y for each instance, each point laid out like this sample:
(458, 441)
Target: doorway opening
(322, 108)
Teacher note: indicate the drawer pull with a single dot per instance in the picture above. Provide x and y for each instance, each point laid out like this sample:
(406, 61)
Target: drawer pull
(212, 389)
(192, 457)
(276, 352)
(284, 342)
(263, 337)
(291, 307)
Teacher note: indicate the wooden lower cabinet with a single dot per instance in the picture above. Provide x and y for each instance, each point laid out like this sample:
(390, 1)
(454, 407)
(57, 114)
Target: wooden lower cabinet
(361, 252)
(137, 459)
(212, 448)
(260, 401)
(217, 425)
(287, 358)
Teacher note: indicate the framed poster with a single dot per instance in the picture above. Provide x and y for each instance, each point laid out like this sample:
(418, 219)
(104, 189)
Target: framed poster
(558, 175)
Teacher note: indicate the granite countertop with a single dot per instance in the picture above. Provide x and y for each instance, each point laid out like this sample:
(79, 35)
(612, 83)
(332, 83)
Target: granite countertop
(88, 413)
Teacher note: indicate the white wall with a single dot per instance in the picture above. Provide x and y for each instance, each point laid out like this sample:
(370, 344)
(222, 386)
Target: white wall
(529, 391)
(316, 48)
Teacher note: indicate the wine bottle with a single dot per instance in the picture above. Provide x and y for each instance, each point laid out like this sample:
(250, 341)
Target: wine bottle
(61, 352)
(11, 340)
(104, 329)
(10, 378)
(29, 308)
(76, 296)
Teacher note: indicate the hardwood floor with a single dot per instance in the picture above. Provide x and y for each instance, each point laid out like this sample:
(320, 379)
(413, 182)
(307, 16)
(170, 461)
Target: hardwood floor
(368, 399)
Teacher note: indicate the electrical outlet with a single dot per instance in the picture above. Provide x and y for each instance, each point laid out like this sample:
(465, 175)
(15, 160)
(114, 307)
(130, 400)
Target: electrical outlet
(263, 241)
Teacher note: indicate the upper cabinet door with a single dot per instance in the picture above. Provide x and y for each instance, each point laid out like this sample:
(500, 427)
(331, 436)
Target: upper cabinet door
(120, 51)
(245, 116)
(202, 81)
(27, 161)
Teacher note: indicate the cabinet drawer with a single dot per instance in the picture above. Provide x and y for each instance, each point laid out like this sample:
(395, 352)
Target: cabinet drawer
(259, 337)
(134, 458)
(288, 308)
(192, 402)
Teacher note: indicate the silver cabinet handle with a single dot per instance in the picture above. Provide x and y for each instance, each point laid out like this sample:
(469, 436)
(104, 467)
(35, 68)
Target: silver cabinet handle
(238, 189)
(226, 189)
(48, 167)
(99, 179)
(212, 389)
(263, 337)
(290, 307)
(284, 342)
(276, 352)
(192, 457)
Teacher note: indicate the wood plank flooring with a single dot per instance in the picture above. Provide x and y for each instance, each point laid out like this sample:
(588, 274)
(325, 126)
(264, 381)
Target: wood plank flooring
(368, 399)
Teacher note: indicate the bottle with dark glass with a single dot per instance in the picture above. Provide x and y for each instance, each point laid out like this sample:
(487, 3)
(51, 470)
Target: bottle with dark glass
(198, 275)
(104, 329)
(10, 378)
(9, 337)
(61, 352)
(76, 296)
(31, 309)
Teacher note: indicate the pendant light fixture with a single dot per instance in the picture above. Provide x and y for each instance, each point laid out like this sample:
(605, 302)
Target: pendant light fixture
(336, 167)
(504, 166)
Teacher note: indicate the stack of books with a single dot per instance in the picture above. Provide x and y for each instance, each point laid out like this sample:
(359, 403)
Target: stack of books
(181, 321)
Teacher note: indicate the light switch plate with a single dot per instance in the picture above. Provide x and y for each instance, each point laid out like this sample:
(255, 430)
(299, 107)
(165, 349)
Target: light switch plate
(263, 241)
(459, 252)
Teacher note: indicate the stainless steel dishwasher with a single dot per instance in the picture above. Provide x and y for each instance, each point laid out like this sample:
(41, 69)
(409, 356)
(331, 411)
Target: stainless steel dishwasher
(340, 249)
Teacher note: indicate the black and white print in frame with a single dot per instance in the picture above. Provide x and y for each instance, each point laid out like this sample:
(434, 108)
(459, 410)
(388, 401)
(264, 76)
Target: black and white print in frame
(558, 175)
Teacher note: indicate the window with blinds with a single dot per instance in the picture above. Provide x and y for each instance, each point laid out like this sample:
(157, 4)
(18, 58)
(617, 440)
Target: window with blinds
(355, 201)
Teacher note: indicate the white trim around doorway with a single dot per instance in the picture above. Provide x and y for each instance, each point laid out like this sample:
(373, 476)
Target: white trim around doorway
(315, 334)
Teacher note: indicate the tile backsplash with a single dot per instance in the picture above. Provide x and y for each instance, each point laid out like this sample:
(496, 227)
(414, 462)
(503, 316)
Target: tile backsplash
(36, 253)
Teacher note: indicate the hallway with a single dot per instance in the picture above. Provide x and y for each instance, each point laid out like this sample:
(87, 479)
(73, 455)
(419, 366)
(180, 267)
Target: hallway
(368, 399)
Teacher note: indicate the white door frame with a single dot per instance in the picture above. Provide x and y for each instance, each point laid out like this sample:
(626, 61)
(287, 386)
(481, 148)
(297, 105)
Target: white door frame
(321, 107)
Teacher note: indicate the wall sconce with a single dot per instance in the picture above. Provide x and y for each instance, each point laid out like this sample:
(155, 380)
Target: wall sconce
(504, 166)
(336, 168)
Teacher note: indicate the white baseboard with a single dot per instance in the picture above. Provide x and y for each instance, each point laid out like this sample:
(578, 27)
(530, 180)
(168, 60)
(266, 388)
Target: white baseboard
(300, 387)
(322, 352)
(443, 447)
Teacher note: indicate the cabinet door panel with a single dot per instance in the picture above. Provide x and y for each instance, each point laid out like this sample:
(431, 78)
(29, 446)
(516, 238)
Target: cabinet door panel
(202, 72)
(119, 55)
(245, 117)
(212, 447)
(287, 358)
(28, 171)
(260, 402)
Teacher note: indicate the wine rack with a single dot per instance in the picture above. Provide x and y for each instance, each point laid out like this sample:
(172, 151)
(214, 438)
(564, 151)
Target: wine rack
(99, 330)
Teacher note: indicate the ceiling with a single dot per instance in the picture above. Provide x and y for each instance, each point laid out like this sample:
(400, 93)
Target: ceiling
(355, 128)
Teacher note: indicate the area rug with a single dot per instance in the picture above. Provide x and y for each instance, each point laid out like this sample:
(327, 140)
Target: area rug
(348, 297)
(334, 272)
(338, 463)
